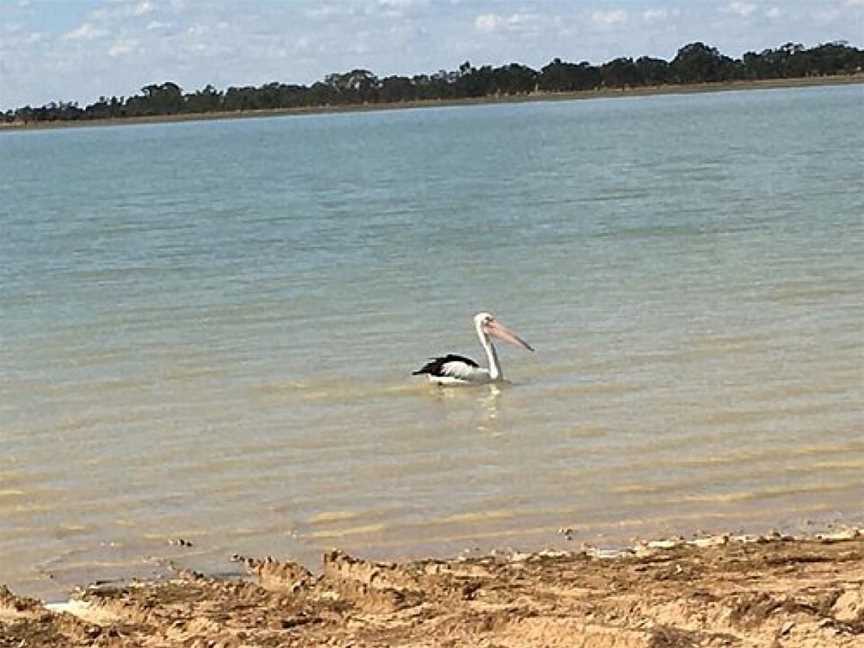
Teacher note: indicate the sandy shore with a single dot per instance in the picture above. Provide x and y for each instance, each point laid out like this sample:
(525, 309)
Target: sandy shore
(747, 591)
(537, 96)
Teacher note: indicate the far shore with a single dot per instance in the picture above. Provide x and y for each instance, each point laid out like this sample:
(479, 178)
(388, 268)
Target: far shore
(643, 91)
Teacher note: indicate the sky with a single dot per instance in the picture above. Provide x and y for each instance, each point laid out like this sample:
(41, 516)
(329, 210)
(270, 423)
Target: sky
(77, 50)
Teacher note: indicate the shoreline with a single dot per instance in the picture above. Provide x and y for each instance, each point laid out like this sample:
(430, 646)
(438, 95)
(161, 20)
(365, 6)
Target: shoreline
(643, 91)
(721, 590)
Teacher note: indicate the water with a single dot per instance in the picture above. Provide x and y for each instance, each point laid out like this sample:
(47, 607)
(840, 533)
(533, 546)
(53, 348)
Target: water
(208, 329)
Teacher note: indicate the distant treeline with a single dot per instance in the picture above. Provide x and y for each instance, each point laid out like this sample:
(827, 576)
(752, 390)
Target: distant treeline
(694, 63)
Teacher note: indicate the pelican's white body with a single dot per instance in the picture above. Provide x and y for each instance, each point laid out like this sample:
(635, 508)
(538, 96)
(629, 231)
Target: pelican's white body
(458, 370)
(464, 374)
(478, 377)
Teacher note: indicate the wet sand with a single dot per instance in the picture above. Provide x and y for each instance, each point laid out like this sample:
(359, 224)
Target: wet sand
(773, 591)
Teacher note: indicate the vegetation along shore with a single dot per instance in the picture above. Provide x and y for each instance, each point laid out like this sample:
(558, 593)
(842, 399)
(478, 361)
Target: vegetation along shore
(696, 68)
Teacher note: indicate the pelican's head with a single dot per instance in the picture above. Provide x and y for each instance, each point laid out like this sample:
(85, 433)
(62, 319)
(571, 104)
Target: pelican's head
(486, 325)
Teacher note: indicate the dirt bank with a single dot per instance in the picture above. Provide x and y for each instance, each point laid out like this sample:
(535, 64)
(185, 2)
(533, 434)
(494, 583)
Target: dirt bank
(771, 591)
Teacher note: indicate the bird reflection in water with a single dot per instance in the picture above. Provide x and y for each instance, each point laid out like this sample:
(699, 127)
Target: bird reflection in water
(489, 413)
(482, 401)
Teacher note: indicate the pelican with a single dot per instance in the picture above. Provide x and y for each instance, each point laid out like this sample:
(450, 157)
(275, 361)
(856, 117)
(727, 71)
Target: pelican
(458, 370)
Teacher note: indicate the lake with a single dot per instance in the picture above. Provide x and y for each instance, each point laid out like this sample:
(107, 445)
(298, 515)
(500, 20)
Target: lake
(208, 331)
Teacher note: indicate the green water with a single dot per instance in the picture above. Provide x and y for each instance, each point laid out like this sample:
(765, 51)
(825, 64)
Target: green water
(208, 329)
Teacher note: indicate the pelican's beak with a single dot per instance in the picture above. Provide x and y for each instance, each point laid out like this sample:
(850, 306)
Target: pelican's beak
(500, 331)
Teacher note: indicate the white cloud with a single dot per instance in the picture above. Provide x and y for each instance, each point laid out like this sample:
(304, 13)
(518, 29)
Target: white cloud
(654, 15)
(238, 43)
(521, 23)
(143, 8)
(742, 9)
(396, 4)
(323, 10)
(488, 23)
(826, 15)
(198, 30)
(85, 32)
(611, 17)
(122, 47)
(520, 19)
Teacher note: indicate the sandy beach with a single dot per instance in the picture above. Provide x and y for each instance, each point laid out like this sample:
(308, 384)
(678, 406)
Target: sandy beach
(724, 590)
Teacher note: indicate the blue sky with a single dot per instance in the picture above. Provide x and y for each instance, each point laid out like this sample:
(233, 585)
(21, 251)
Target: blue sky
(81, 49)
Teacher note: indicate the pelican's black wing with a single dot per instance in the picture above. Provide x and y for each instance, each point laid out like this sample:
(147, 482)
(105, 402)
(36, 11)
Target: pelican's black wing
(442, 366)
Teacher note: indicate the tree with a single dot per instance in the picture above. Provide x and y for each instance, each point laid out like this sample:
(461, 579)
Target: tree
(514, 79)
(24, 114)
(356, 85)
(237, 99)
(834, 58)
(620, 73)
(559, 76)
(476, 82)
(164, 99)
(435, 86)
(699, 63)
(395, 89)
(694, 63)
(321, 94)
(794, 60)
(208, 99)
(653, 71)
(98, 110)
